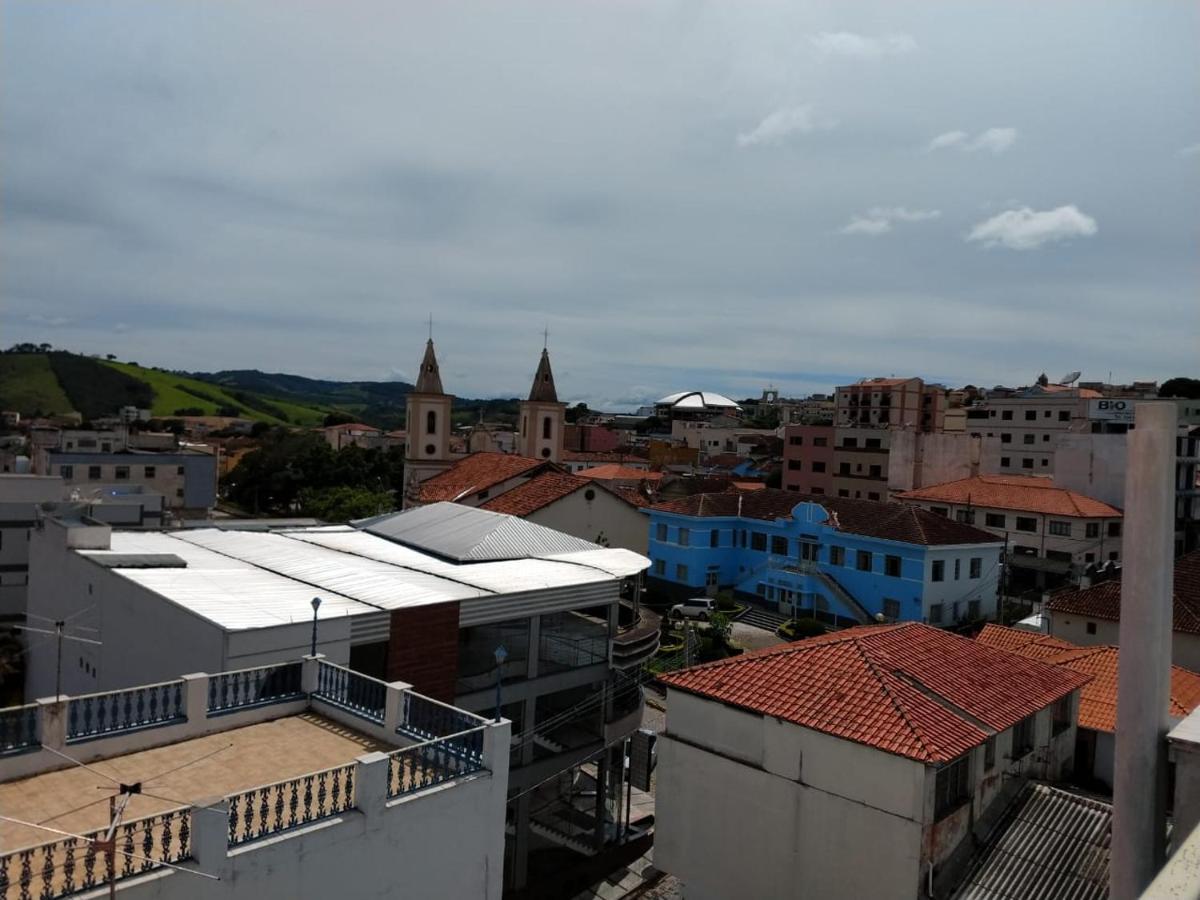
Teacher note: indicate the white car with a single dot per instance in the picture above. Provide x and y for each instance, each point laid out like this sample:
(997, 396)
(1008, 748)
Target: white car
(696, 608)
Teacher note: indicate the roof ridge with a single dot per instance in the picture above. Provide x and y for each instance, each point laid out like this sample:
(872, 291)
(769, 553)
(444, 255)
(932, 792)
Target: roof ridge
(900, 711)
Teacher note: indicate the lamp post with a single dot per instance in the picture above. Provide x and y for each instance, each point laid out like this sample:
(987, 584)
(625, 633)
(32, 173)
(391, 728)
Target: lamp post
(316, 604)
(501, 655)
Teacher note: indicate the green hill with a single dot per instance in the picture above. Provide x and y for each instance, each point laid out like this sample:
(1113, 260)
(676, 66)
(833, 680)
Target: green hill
(28, 385)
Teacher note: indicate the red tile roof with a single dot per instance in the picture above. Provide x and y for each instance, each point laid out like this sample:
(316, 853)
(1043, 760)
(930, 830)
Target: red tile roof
(1103, 601)
(888, 521)
(477, 472)
(539, 491)
(614, 472)
(747, 486)
(1027, 493)
(1098, 699)
(907, 689)
(601, 456)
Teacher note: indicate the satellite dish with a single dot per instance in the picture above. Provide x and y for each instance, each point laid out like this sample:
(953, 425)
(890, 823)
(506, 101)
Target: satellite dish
(1070, 377)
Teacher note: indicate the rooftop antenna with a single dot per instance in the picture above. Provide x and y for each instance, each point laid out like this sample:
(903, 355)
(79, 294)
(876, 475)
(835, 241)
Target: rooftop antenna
(546, 337)
(60, 635)
(431, 326)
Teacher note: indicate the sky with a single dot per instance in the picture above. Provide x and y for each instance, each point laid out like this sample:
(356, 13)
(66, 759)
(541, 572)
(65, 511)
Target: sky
(686, 195)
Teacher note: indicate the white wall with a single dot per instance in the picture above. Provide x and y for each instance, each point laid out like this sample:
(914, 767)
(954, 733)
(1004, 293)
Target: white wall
(965, 588)
(619, 522)
(1185, 648)
(1093, 464)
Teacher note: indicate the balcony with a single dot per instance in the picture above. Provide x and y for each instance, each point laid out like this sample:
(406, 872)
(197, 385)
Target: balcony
(637, 640)
(284, 748)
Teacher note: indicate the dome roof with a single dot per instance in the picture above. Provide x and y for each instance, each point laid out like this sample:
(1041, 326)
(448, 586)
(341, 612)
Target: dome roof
(697, 400)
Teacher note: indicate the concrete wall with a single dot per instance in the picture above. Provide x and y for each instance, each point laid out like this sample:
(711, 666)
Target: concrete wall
(918, 460)
(603, 516)
(1092, 464)
(1185, 648)
(802, 448)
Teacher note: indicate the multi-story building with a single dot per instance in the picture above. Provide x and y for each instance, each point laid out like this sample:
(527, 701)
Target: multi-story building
(858, 764)
(840, 561)
(298, 779)
(428, 596)
(899, 403)
(1050, 534)
(808, 459)
(860, 462)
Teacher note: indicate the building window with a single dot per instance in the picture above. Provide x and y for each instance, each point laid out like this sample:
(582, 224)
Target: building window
(1061, 716)
(714, 538)
(1031, 415)
(1026, 523)
(875, 471)
(660, 567)
(149, 472)
(957, 569)
(872, 495)
(94, 473)
(178, 492)
(179, 470)
(1045, 463)
(121, 473)
(1006, 438)
(67, 472)
(935, 614)
(743, 540)
(815, 489)
(758, 540)
(1114, 556)
(976, 569)
(681, 572)
(820, 442)
(862, 560)
(1091, 530)
(891, 609)
(891, 566)
(1091, 627)
(939, 571)
(989, 753)
(973, 610)
(545, 428)
(431, 422)
(1005, 462)
(995, 520)
(1064, 415)
(837, 555)
(1026, 463)
(1027, 439)
(842, 492)
(818, 466)
(1060, 528)
(779, 545)
(684, 537)
(1045, 438)
(1045, 414)
(939, 511)
(849, 442)
(660, 532)
(1006, 415)
(953, 787)
(1114, 529)
(796, 440)
(1023, 737)
(711, 577)
(873, 443)
(844, 468)
(966, 516)
(794, 465)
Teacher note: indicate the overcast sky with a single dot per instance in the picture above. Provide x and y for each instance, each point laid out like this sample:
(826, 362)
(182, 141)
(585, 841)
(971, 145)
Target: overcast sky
(688, 195)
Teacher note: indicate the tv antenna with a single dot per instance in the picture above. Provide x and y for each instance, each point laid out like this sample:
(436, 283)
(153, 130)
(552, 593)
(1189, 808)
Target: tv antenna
(60, 635)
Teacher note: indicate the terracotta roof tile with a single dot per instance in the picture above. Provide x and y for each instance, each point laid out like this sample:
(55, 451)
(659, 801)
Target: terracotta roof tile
(1028, 493)
(907, 689)
(1098, 699)
(616, 472)
(889, 521)
(475, 473)
(1103, 601)
(539, 491)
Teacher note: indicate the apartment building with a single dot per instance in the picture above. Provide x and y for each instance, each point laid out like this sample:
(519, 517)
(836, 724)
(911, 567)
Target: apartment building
(860, 463)
(865, 763)
(1051, 534)
(298, 779)
(808, 459)
(427, 596)
(840, 561)
(899, 403)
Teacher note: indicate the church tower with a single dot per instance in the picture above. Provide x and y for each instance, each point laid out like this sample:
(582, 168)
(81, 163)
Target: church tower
(427, 424)
(542, 416)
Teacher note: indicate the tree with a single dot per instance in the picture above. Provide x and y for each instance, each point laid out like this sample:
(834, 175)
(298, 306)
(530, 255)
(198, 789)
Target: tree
(341, 504)
(1187, 388)
(110, 356)
(577, 412)
(720, 627)
(338, 417)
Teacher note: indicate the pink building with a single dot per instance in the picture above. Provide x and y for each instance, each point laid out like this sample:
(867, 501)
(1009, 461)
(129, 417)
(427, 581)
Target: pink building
(808, 459)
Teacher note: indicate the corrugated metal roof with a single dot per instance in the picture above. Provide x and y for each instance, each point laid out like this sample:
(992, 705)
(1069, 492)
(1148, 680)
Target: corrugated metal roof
(140, 560)
(467, 534)
(1050, 844)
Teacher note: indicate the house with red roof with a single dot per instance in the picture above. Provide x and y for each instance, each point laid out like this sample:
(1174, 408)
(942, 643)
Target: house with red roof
(1097, 718)
(1052, 534)
(1092, 615)
(857, 764)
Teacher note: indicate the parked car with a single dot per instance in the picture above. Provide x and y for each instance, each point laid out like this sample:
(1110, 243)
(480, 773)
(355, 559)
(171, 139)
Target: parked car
(696, 608)
(799, 629)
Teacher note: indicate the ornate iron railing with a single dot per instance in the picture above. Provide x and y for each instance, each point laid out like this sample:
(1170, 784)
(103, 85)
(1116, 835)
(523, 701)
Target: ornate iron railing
(434, 762)
(260, 686)
(270, 809)
(360, 694)
(92, 715)
(424, 718)
(72, 864)
(19, 728)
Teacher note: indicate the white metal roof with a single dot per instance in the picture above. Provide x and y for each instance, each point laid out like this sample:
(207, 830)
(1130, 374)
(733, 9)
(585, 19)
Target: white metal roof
(243, 580)
(697, 400)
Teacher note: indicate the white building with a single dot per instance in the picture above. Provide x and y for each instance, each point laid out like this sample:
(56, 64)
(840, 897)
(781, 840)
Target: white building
(295, 780)
(851, 765)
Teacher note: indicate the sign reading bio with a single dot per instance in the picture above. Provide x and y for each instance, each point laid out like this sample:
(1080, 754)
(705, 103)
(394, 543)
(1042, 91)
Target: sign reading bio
(1111, 410)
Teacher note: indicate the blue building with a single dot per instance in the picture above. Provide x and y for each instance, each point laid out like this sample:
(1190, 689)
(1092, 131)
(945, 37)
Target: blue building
(842, 561)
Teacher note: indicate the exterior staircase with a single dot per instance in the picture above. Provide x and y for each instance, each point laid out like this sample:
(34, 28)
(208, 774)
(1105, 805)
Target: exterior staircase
(758, 617)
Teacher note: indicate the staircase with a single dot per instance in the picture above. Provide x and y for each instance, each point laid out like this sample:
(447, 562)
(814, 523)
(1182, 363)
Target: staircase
(762, 618)
(562, 838)
(843, 595)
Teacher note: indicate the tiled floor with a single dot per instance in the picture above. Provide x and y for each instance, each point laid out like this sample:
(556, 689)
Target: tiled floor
(76, 799)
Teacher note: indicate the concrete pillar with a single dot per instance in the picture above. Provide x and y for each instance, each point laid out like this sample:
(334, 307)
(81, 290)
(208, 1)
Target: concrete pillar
(371, 784)
(52, 724)
(601, 790)
(195, 699)
(393, 705)
(210, 837)
(308, 674)
(1144, 680)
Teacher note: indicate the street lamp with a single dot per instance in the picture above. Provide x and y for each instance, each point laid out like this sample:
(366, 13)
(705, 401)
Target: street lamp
(501, 655)
(316, 604)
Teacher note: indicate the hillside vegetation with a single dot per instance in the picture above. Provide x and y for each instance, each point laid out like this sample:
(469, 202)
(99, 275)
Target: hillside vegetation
(29, 385)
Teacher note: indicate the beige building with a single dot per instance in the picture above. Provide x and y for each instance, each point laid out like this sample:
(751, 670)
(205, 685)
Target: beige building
(542, 416)
(899, 403)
